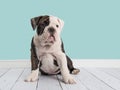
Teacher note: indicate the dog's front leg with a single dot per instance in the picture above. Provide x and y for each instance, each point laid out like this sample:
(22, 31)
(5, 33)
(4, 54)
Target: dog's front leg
(62, 61)
(34, 69)
(34, 66)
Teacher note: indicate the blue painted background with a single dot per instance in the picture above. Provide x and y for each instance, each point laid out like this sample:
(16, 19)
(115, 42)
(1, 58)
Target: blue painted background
(92, 27)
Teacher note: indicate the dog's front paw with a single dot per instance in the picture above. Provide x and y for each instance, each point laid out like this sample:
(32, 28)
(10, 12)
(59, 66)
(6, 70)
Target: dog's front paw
(32, 78)
(69, 80)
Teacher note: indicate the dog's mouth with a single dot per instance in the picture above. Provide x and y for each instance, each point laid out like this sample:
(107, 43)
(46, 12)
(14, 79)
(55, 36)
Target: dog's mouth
(50, 39)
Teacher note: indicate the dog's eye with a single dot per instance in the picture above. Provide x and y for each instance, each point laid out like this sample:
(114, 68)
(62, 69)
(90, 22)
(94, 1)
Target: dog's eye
(57, 26)
(46, 22)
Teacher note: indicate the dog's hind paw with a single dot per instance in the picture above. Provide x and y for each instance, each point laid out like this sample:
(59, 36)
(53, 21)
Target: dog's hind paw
(75, 71)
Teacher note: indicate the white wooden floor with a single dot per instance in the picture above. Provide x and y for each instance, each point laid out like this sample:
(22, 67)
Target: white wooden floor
(87, 79)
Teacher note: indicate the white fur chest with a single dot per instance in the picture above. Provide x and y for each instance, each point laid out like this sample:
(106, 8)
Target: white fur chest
(47, 64)
(46, 56)
(40, 51)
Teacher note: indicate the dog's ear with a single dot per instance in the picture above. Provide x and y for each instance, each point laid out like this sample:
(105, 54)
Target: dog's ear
(35, 22)
(61, 22)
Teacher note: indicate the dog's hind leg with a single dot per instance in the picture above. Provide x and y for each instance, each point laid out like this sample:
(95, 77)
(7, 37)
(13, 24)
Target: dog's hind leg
(69, 62)
(71, 67)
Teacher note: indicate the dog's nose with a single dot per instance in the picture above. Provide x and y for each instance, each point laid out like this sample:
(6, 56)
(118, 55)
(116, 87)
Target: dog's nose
(51, 30)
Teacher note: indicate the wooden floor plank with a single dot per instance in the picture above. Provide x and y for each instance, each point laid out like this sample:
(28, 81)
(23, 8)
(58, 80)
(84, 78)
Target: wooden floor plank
(9, 79)
(115, 72)
(21, 85)
(108, 79)
(3, 71)
(77, 86)
(47, 82)
(91, 82)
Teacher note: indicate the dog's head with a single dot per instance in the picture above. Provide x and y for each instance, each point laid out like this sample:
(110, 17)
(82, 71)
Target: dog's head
(48, 28)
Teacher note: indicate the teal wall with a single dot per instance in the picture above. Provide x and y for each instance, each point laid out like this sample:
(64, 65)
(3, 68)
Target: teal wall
(92, 27)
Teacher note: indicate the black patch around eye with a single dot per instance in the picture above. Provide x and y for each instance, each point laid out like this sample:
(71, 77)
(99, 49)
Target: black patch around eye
(40, 29)
(42, 25)
(57, 26)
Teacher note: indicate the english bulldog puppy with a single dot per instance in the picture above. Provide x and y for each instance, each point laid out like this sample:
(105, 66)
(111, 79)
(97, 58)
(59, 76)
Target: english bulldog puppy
(47, 50)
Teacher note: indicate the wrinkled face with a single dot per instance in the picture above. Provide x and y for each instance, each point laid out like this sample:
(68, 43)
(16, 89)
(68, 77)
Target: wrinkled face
(48, 28)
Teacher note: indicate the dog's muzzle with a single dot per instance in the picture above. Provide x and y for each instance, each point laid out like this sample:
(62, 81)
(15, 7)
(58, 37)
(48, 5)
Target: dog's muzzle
(51, 30)
(51, 37)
